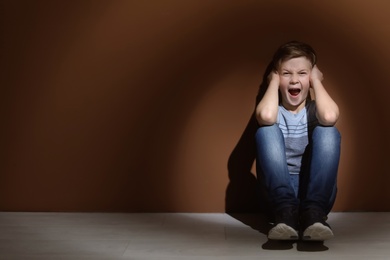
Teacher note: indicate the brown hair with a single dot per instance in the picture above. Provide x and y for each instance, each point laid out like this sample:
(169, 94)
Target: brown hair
(293, 49)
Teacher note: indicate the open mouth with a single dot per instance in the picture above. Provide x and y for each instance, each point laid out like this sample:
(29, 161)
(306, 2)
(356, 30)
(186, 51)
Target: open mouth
(294, 91)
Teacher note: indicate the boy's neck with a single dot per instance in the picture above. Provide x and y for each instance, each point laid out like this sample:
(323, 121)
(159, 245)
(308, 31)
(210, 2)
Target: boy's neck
(294, 109)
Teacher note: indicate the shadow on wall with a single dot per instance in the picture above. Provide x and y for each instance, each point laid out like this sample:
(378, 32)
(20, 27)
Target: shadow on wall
(243, 193)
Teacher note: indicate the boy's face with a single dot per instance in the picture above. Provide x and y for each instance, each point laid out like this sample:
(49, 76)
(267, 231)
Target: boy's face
(294, 83)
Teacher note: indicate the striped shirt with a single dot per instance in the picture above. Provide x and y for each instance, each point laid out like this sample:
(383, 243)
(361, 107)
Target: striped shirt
(296, 129)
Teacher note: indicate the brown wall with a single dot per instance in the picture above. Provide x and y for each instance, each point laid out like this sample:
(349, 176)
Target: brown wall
(138, 105)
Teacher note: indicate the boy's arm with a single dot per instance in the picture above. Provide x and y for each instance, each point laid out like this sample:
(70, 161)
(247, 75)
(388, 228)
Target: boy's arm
(267, 109)
(327, 109)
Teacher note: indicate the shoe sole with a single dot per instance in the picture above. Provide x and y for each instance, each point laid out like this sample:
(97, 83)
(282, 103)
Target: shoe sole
(317, 232)
(283, 232)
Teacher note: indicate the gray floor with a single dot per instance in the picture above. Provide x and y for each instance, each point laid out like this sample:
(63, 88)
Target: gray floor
(181, 236)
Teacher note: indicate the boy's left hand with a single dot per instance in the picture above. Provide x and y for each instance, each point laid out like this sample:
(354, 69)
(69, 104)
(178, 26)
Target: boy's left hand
(316, 74)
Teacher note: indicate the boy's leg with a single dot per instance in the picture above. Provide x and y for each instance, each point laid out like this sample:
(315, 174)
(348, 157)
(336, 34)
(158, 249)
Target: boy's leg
(273, 172)
(321, 183)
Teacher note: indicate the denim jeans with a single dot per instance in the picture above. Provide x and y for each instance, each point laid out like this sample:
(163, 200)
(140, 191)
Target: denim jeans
(316, 185)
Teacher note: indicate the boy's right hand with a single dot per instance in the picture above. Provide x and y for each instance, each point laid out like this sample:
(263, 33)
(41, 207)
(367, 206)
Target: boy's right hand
(274, 78)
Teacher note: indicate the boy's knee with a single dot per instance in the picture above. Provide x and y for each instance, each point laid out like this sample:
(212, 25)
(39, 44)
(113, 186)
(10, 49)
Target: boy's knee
(327, 136)
(327, 132)
(266, 131)
(269, 140)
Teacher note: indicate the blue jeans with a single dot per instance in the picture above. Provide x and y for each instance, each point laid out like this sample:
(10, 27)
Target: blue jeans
(315, 187)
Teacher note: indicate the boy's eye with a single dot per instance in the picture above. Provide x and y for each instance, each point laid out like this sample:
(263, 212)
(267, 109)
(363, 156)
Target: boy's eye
(302, 73)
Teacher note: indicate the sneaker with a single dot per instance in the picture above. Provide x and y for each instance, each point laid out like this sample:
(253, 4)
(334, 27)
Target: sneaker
(283, 232)
(314, 226)
(286, 225)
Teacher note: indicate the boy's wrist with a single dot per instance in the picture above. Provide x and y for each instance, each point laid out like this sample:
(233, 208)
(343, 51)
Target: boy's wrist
(274, 81)
(315, 82)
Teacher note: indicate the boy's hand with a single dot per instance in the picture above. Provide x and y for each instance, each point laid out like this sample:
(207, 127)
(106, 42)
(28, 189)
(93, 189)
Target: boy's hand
(274, 77)
(316, 74)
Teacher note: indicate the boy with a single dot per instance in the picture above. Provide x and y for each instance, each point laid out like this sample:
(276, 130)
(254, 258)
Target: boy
(298, 147)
